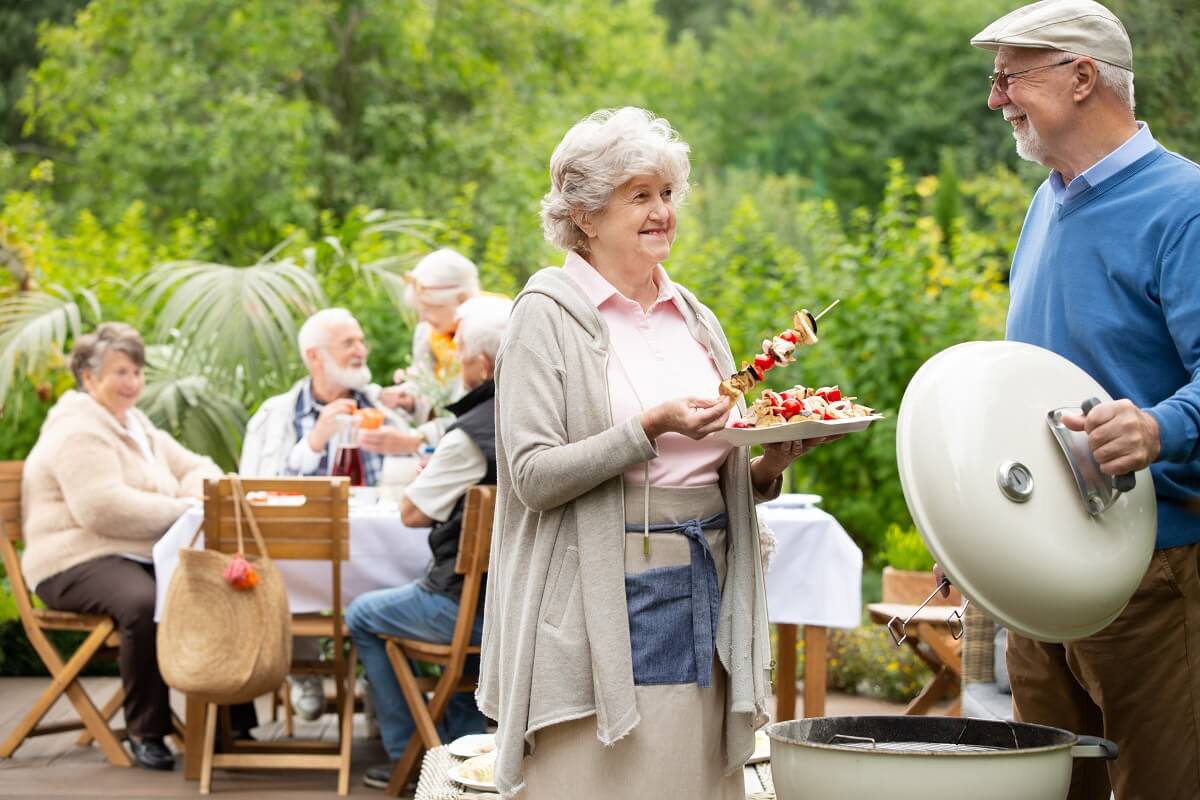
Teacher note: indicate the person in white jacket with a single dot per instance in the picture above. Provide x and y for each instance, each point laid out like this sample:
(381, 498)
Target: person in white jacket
(291, 434)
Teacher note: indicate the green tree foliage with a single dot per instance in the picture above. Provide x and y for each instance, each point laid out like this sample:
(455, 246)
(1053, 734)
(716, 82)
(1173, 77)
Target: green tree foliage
(19, 21)
(832, 96)
(261, 116)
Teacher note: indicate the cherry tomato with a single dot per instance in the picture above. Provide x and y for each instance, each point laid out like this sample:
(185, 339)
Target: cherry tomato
(737, 423)
(763, 362)
(788, 336)
(791, 407)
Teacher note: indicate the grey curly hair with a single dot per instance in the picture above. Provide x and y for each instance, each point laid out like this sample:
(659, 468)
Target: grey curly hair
(600, 153)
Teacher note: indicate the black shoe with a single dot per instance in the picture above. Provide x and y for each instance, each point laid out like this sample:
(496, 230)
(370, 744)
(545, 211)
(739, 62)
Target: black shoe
(377, 777)
(152, 753)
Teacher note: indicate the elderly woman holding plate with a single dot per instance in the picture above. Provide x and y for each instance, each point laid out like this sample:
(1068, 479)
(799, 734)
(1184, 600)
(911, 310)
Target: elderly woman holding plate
(625, 644)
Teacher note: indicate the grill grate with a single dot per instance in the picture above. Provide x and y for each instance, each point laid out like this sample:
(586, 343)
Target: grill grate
(918, 747)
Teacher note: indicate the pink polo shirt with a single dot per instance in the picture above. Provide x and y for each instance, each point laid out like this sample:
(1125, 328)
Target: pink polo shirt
(653, 358)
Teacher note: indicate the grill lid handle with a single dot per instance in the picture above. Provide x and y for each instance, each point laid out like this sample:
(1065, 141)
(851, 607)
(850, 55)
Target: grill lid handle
(1094, 747)
(1097, 490)
(1122, 483)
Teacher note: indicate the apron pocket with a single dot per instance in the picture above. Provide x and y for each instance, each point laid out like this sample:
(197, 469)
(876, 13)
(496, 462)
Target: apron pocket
(660, 625)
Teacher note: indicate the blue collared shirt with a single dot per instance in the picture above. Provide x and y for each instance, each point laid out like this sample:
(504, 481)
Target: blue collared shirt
(1136, 146)
(307, 411)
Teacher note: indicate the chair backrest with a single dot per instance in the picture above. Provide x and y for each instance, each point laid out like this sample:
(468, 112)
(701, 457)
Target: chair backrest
(316, 529)
(10, 499)
(10, 535)
(313, 530)
(978, 647)
(474, 547)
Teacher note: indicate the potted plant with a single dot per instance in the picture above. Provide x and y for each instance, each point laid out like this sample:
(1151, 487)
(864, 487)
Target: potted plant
(908, 574)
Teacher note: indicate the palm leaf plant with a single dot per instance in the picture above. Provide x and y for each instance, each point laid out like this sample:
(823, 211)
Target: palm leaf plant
(35, 326)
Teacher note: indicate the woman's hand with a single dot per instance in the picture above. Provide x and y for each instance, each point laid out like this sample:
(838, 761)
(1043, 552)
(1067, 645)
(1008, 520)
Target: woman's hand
(693, 417)
(779, 456)
(398, 397)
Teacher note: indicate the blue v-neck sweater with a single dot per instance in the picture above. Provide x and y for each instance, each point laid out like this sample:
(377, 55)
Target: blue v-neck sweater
(1110, 280)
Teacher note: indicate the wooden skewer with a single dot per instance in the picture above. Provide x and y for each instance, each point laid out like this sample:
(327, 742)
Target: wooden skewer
(828, 308)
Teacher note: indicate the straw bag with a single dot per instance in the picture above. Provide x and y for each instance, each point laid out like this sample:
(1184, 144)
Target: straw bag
(222, 644)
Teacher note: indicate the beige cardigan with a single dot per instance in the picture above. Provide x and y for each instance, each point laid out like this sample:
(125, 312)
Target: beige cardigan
(555, 631)
(88, 492)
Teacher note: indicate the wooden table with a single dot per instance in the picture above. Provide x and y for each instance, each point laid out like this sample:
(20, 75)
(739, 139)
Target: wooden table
(815, 671)
(929, 637)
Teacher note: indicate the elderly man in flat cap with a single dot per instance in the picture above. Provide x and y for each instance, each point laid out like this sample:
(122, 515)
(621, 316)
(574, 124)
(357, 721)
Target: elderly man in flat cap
(1107, 274)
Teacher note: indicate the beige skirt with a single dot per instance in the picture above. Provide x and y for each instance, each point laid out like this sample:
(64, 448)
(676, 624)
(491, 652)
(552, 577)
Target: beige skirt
(676, 750)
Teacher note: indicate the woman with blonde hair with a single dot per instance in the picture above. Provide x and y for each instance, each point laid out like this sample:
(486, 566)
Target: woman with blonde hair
(625, 644)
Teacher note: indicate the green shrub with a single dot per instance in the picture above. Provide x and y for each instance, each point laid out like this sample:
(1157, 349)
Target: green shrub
(904, 549)
(866, 661)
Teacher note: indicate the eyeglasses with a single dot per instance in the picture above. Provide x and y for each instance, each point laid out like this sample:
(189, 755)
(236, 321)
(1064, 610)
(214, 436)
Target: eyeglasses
(1001, 79)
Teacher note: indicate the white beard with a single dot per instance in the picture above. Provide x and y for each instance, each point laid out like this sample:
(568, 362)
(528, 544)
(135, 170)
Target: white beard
(353, 378)
(1029, 143)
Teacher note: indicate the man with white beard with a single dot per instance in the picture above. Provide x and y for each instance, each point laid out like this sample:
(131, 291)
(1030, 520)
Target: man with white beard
(1105, 274)
(290, 435)
(291, 432)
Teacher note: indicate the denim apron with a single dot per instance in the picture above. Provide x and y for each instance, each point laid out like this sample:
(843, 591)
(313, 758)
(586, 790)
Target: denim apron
(673, 593)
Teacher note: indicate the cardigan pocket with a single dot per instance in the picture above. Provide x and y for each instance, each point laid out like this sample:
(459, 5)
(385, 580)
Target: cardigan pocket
(564, 582)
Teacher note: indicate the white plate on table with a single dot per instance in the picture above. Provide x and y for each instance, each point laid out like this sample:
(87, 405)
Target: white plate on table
(792, 500)
(457, 773)
(795, 431)
(473, 744)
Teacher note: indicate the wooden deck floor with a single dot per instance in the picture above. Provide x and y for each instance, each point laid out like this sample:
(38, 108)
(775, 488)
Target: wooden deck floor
(53, 766)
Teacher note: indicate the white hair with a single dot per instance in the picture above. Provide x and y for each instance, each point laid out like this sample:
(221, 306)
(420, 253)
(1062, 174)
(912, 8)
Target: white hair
(1119, 80)
(481, 325)
(314, 333)
(442, 278)
(600, 153)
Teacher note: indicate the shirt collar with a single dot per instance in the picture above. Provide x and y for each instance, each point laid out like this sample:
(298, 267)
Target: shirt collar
(599, 290)
(1133, 148)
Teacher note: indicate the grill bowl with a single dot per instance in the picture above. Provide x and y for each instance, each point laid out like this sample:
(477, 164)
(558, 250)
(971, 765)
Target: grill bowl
(915, 758)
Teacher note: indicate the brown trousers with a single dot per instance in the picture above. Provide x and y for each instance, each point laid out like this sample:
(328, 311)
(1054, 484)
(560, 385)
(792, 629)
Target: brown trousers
(124, 590)
(1137, 682)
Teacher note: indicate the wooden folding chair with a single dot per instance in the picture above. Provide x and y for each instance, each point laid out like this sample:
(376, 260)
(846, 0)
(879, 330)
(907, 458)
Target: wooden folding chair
(102, 639)
(315, 531)
(474, 546)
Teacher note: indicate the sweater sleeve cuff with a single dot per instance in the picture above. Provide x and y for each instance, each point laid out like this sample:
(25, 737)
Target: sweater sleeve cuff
(1177, 434)
(770, 494)
(643, 448)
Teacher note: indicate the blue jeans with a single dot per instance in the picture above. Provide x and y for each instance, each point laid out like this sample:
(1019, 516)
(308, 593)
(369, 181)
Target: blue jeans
(415, 613)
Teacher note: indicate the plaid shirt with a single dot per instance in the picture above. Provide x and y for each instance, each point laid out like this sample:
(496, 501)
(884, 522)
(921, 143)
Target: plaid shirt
(307, 411)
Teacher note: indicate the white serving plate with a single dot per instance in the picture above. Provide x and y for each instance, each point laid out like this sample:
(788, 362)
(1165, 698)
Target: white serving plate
(455, 774)
(795, 431)
(473, 744)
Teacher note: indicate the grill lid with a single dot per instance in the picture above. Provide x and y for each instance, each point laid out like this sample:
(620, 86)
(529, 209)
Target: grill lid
(1039, 540)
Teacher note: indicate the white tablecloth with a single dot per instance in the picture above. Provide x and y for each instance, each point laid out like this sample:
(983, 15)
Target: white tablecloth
(816, 575)
(814, 578)
(383, 553)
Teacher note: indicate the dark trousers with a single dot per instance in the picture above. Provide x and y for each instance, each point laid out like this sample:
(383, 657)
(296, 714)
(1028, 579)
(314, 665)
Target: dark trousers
(124, 590)
(1136, 682)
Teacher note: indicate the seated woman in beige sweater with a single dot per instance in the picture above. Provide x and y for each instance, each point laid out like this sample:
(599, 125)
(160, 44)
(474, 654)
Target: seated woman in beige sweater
(101, 485)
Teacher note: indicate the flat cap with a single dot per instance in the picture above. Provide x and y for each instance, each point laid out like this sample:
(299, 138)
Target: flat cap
(1075, 26)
